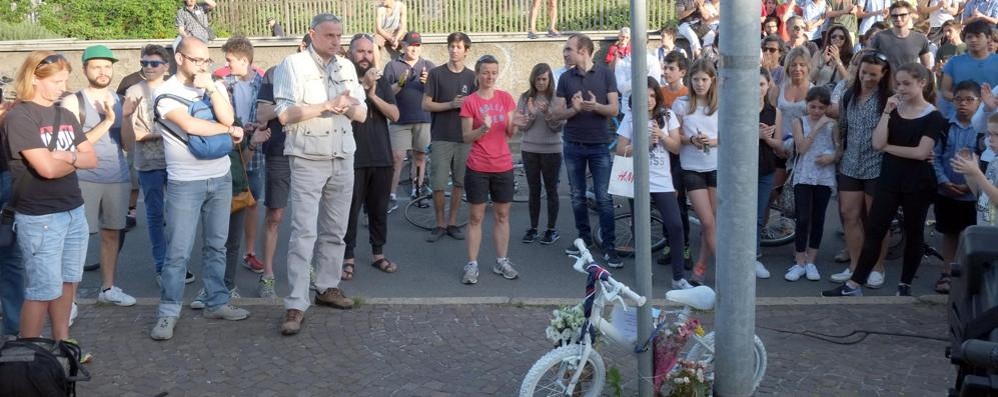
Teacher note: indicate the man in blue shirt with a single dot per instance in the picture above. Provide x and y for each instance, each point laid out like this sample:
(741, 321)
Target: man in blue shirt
(408, 75)
(586, 97)
(986, 10)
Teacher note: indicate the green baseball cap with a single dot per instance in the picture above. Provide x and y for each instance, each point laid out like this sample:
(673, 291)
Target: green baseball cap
(98, 52)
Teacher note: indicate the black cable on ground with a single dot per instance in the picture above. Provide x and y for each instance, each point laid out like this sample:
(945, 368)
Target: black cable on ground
(836, 339)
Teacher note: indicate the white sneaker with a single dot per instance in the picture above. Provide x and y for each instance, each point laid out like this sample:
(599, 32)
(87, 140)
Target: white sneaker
(760, 270)
(198, 302)
(876, 280)
(811, 272)
(681, 284)
(842, 276)
(115, 296)
(794, 273)
(73, 313)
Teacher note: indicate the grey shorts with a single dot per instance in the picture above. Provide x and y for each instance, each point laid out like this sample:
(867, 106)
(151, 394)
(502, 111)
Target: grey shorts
(410, 136)
(448, 159)
(106, 204)
(277, 184)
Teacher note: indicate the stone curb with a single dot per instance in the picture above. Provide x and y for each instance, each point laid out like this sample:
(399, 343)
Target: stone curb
(502, 300)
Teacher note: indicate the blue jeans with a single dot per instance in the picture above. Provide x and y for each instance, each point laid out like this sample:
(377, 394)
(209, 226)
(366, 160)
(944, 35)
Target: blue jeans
(153, 186)
(54, 247)
(188, 202)
(765, 188)
(11, 272)
(596, 156)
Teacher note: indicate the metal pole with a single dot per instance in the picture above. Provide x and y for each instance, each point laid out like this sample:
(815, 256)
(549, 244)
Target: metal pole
(734, 358)
(642, 216)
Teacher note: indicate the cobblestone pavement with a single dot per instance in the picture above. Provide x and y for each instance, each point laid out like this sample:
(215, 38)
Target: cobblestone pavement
(474, 350)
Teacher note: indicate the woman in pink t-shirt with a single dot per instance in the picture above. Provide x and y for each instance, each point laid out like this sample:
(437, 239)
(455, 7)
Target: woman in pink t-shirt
(488, 120)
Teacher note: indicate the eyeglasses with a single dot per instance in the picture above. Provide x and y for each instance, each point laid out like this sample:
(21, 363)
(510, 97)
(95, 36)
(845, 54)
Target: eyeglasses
(899, 16)
(151, 64)
(964, 99)
(771, 50)
(799, 27)
(197, 61)
(50, 60)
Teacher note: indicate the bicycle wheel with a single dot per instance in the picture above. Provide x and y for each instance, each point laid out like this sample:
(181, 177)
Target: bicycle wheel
(779, 230)
(420, 213)
(551, 373)
(624, 234)
(704, 351)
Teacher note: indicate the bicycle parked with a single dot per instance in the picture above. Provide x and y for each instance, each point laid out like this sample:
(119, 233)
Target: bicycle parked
(577, 369)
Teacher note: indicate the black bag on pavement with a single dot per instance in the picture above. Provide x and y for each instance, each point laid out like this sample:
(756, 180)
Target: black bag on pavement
(39, 367)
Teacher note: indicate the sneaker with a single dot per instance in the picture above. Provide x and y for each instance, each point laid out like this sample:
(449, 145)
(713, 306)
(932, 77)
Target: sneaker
(393, 204)
(73, 312)
(687, 258)
(292, 322)
(842, 276)
(550, 236)
(470, 274)
(116, 296)
(903, 290)
(573, 250)
(198, 302)
(842, 256)
(455, 232)
(811, 271)
(875, 280)
(436, 234)
(666, 257)
(334, 297)
(843, 290)
(189, 278)
(266, 288)
(530, 236)
(163, 329)
(681, 284)
(613, 260)
(795, 272)
(250, 262)
(504, 268)
(226, 312)
(761, 271)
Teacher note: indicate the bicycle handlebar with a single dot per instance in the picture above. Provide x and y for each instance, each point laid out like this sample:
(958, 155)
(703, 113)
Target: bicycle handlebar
(586, 257)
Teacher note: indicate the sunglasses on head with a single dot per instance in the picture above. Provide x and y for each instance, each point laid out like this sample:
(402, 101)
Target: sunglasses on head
(870, 56)
(151, 64)
(487, 59)
(50, 60)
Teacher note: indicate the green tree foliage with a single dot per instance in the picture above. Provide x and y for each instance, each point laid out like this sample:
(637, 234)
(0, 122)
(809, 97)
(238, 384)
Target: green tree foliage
(117, 19)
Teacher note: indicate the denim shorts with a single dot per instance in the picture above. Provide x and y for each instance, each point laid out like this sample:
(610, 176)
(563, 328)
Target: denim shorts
(54, 247)
(256, 178)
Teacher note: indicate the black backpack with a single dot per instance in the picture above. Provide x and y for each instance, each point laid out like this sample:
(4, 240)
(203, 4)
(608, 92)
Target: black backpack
(31, 367)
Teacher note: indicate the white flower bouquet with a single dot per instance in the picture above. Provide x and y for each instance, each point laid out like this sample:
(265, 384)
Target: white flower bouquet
(566, 325)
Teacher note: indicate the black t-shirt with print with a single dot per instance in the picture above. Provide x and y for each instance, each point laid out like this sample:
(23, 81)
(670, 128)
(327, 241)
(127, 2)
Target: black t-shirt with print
(900, 174)
(374, 145)
(29, 126)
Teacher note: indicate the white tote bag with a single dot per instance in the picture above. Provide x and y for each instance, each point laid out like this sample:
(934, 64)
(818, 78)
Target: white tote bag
(622, 177)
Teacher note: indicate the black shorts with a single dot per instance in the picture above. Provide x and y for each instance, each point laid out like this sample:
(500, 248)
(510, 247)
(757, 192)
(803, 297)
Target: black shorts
(850, 184)
(277, 185)
(478, 186)
(952, 216)
(695, 180)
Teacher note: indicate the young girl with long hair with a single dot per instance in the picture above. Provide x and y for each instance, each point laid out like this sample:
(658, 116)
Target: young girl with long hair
(541, 151)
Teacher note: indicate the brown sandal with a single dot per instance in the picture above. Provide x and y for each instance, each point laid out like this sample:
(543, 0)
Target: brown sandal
(385, 265)
(348, 269)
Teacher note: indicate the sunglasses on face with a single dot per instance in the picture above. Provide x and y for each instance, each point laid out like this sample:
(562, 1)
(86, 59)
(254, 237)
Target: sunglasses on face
(798, 27)
(151, 64)
(899, 16)
(771, 50)
(838, 37)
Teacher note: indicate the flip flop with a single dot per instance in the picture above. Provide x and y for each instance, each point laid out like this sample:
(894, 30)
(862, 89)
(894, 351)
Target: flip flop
(385, 265)
(348, 269)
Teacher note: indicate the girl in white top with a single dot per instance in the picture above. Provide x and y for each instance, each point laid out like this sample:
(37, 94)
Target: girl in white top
(697, 115)
(663, 130)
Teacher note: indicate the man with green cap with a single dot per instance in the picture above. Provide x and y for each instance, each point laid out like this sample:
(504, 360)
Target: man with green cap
(107, 187)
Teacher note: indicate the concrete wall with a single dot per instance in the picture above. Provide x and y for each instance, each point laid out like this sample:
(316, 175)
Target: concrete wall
(516, 54)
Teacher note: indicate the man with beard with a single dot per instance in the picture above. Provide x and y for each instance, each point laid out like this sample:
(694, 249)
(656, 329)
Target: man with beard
(372, 163)
(107, 187)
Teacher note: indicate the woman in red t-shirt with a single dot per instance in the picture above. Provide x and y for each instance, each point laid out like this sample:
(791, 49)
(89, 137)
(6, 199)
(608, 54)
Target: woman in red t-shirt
(488, 120)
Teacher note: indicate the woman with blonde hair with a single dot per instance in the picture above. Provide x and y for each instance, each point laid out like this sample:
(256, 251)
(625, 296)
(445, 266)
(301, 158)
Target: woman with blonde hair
(45, 145)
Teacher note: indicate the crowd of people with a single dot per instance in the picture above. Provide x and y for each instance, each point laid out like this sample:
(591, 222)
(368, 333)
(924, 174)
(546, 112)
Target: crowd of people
(325, 133)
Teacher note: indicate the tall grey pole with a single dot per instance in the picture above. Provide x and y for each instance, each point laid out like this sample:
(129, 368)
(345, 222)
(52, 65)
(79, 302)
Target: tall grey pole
(734, 358)
(642, 216)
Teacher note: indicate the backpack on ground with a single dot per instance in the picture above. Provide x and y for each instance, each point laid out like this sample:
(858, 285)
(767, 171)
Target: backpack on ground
(31, 367)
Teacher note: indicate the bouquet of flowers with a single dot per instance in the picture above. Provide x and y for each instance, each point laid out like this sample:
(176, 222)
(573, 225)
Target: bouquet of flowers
(669, 343)
(566, 325)
(689, 380)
